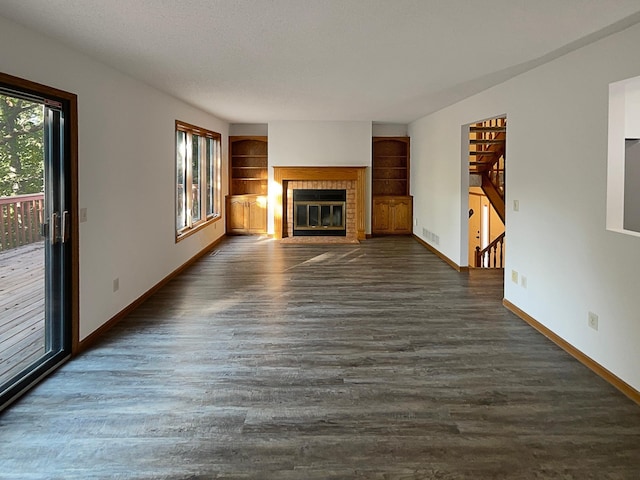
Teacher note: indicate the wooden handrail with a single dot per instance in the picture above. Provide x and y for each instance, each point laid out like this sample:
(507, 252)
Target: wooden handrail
(21, 198)
(21, 218)
(490, 252)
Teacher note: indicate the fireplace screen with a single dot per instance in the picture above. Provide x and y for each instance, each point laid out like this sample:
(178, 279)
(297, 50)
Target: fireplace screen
(319, 212)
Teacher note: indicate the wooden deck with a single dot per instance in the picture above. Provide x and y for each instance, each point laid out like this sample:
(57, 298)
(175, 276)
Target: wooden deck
(22, 329)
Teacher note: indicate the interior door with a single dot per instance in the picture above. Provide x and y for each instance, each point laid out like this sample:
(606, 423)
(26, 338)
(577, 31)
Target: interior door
(35, 254)
(475, 214)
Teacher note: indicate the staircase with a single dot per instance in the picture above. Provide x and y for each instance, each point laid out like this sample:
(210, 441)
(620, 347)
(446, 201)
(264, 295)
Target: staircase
(487, 153)
(487, 160)
(491, 256)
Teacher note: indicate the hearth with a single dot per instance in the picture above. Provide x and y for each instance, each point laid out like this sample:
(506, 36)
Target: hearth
(319, 212)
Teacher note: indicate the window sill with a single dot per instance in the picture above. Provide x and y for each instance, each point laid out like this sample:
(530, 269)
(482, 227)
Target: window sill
(623, 231)
(196, 228)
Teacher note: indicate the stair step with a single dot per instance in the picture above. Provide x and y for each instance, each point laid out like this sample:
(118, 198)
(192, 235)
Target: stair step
(485, 153)
(487, 141)
(488, 129)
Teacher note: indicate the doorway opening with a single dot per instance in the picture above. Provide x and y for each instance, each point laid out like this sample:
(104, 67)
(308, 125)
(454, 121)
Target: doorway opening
(487, 189)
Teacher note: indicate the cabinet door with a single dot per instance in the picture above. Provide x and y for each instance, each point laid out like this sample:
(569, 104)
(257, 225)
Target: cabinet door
(381, 216)
(257, 216)
(402, 215)
(235, 214)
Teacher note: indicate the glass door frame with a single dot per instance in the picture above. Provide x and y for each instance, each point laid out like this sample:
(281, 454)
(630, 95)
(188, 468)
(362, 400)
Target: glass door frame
(68, 104)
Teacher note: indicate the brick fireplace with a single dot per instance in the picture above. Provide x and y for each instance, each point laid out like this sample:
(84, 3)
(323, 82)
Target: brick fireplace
(350, 179)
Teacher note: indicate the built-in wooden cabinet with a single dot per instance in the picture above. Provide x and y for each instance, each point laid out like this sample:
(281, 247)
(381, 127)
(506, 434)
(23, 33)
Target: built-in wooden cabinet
(246, 214)
(248, 172)
(392, 211)
(392, 215)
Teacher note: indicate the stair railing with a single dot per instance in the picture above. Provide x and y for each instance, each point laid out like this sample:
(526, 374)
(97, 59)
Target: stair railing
(491, 256)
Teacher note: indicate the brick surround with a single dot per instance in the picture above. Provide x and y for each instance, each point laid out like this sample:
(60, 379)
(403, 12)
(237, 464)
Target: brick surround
(351, 179)
(348, 185)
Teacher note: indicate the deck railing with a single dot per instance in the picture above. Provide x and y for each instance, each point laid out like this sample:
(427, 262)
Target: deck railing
(21, 218)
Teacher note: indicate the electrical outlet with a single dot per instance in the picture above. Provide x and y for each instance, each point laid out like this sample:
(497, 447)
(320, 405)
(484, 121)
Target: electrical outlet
(83, 215)
(516, 205)
(514, 276)
(523, 281)
(593, 321)
(116, 284)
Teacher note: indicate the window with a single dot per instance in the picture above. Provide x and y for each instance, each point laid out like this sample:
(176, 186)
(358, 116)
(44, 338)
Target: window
(197, 178)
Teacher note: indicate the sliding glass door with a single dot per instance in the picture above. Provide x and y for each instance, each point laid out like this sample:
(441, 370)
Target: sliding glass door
(36, 260)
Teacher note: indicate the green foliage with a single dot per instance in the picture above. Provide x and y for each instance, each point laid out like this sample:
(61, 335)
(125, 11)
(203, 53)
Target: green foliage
(21, 146)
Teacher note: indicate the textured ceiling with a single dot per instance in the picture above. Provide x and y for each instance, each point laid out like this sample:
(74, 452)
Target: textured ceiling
(252, 61)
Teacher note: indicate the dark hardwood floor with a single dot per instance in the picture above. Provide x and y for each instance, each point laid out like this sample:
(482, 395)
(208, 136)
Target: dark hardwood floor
(370, 361)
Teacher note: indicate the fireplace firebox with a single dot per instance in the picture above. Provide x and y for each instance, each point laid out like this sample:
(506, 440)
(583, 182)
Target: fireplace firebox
(319, 212)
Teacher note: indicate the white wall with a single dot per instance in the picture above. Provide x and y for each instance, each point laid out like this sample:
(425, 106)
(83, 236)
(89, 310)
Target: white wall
(249, 129)
(389, 129)
(312, 144)
(557, 169)
(126, 172)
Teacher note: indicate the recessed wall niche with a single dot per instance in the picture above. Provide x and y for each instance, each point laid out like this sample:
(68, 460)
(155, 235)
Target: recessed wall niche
(623, 164)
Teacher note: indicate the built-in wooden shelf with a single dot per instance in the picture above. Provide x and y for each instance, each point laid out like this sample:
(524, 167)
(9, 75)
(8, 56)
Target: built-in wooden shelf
(390, 166)
(248, 184)
(392, 209)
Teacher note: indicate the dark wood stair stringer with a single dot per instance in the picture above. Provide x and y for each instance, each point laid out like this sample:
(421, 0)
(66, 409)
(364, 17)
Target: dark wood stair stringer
(494, 196)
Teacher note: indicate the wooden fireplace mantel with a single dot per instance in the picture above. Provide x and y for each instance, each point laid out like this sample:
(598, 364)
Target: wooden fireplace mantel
(281, 175)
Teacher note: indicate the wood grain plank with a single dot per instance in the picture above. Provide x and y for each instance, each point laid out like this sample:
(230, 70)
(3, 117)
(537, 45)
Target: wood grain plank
(277, 361)
(22, 326)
